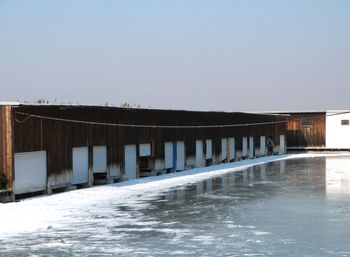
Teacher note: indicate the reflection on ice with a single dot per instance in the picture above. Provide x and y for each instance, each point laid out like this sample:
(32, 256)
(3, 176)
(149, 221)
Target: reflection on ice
(200, 187)
(282, 166)
(251, 173)
(337, 176)
(263, 171)
(209, 185)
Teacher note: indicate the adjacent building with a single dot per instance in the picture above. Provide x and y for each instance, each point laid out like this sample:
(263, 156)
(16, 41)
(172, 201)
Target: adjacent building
(325, 130)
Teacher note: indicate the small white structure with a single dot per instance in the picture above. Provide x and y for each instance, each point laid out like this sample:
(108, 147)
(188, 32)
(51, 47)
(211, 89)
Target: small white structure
(337, 130)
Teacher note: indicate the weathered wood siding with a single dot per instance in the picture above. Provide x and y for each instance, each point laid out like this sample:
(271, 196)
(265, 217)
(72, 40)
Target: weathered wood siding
(6, 152)
(299, 135)
(58, 137)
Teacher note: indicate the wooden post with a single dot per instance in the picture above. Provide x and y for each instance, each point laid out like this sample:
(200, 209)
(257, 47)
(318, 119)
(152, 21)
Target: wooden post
(9, 161)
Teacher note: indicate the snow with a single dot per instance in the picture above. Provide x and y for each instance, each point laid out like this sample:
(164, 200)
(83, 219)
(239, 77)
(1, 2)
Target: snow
(75, 207)
(9, 103)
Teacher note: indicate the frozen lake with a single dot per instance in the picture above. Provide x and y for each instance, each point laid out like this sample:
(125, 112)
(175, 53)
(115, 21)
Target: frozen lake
(291, 207)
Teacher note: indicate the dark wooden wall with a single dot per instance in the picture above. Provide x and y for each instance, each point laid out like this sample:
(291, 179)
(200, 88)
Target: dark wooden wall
(313, 135)
(58, 137)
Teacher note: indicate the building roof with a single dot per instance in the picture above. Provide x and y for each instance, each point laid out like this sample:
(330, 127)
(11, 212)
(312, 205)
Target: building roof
(9, 103)
(126, 108)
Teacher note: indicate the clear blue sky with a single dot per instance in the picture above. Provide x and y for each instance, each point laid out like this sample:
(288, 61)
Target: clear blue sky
(202, 55)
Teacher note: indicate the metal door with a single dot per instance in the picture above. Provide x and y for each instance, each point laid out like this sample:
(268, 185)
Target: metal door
(251, 147)
(80, 165)
(244, 147)
(145, 150)
(282, 145)
(99, 159)
(223, 149)
(208, 149)
(199, 153)
(180, 155)
(168, 154)
(30, 172)
(232, 148)
(130, 162)
(262, 146)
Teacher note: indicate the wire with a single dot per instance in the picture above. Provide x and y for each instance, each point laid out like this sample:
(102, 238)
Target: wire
(22, 121)
(169, 126)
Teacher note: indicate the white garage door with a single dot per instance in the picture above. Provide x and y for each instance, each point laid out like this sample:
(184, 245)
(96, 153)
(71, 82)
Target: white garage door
(262, 145)
(169, 154)
(145, 150)
(99, 159)
(244, 147)
(130, 162)
(80, 165)
(199, 153)
(251, 147)
(208, 149)
(282, 145)
(30, 172)
(232, 148)
(223, 149)
(180, 155)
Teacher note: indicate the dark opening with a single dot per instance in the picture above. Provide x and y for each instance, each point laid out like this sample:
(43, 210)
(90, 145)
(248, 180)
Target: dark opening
(306, 122)
(345, 122)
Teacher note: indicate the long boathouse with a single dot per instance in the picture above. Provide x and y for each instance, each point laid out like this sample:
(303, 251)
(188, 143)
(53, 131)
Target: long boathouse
(49, 147)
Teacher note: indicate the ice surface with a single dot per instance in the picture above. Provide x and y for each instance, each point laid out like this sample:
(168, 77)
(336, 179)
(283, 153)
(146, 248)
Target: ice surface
(205, 211)
(59, 209)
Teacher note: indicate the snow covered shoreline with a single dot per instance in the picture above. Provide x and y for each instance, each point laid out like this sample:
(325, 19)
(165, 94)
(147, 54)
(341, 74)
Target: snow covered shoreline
(59, 210)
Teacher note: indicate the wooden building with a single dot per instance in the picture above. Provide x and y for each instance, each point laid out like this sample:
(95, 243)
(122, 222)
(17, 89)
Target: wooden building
(47, 147)
(324, 130)
(306, 130)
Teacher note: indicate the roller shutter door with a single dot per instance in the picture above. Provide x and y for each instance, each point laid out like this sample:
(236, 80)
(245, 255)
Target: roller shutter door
(232, 148)
(130, 162)
(262, 145)
(145, 150)
(223, 149)
(80, 165)
(169, 154)
(99, 159)
(199, 153)
(282, 145)
(30, 172)
(244, 147)
(180, 155)
(251, 147)
(208, 149)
